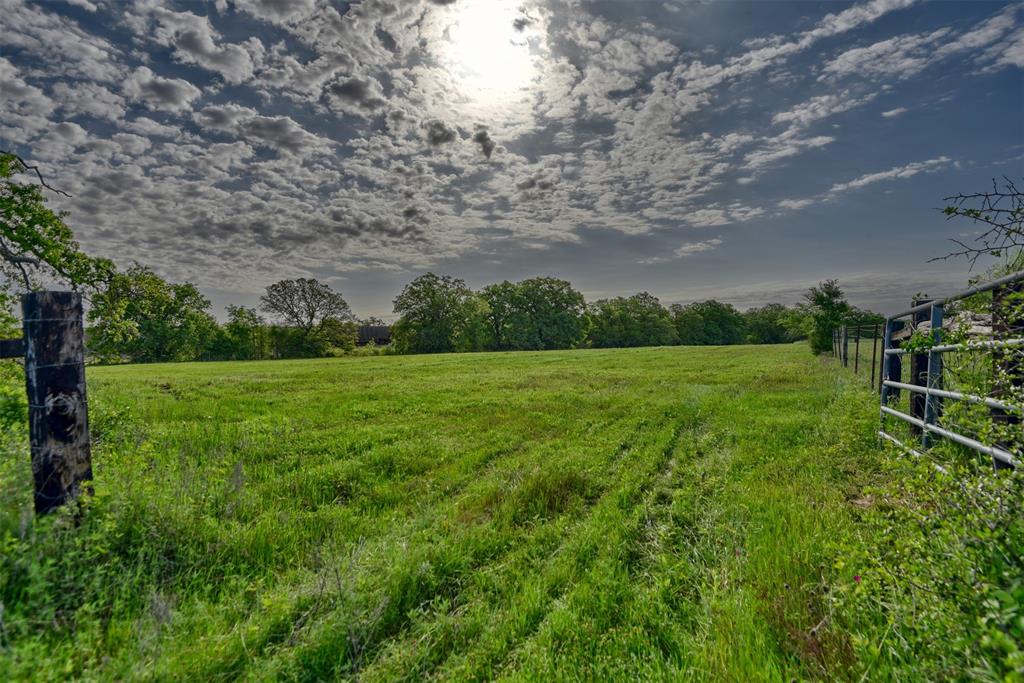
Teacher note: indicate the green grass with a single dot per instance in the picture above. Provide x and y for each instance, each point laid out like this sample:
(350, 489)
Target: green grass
(665, 513)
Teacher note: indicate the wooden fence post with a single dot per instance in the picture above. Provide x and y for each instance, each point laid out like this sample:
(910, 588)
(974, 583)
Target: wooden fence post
(845, 348)
(57, 409)
(1008, 370)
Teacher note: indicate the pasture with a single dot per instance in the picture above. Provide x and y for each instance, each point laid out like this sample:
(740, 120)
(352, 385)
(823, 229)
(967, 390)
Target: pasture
(657, 513)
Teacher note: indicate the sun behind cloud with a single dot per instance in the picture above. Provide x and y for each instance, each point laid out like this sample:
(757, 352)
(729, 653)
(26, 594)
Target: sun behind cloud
(488, 52)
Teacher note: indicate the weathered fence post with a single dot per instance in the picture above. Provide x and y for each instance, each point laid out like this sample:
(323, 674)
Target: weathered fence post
(845, 348)
(918, 371)
(1008, 370)
(57, 409)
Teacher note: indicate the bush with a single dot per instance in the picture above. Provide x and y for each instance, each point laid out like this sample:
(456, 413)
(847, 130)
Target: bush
(934, 589)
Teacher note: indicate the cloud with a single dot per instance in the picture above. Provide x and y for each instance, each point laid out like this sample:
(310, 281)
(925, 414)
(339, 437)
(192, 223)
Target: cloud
(195, 41)
(88, 99)
(281, 133)
(276, 11)
(24, 108)
(795, 204)
(439, 133)
(483, 138)
(59, 43)
(905, 56)
(150, 128)
(895, 173)
(820, 107)
(684, 250)
(355, 95)
(169, 94)
(893, 113)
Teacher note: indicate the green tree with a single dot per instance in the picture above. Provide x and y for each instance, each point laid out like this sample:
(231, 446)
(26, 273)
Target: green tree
(708, 322)
(638, 320)
(305, 303)
(35, 243)
(337, 336)
(768, 325)
(538, 313)
(140, 317)
(827, 309)
(437, 314)
(246, 331)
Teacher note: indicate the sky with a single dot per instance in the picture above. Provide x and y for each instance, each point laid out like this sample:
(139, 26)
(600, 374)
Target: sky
(742, 151)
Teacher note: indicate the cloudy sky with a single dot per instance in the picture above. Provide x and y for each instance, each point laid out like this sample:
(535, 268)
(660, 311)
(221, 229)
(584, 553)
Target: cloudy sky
(741, 150)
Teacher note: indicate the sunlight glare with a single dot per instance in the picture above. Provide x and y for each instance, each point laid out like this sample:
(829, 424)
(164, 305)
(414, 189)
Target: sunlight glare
(487, 55)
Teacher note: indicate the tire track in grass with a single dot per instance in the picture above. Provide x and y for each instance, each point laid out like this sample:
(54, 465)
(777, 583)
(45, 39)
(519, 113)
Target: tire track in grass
(376, 569)
(291, 600)
(623, 554)
(589, 545)
(444, 634)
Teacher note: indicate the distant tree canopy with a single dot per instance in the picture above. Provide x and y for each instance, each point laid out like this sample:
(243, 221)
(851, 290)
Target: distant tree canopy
(305, 303)
(140, 317)
(535, 314)
(708, 322)
(827, 309)
(771, 324)
(437, 314)
(638, 320)
(35, 243)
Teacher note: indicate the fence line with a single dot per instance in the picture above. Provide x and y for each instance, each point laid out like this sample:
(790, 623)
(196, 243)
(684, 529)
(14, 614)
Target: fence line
(997, 364)
(859, 336)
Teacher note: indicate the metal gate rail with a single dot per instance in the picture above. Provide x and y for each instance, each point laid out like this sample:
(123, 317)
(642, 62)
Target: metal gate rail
(932, 390)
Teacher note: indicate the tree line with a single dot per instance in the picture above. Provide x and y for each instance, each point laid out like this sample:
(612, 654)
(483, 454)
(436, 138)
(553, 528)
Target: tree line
(136, 316)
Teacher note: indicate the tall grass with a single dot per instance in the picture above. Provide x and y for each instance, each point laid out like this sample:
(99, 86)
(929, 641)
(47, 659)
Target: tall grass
(653, 513)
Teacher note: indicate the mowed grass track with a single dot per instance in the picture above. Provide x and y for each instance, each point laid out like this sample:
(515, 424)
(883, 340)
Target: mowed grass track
(620, 515)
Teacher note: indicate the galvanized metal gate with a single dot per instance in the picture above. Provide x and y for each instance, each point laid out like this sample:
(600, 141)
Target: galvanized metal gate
(928, 319)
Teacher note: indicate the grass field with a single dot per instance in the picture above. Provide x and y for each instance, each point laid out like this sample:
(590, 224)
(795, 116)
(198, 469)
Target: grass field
(624, 514)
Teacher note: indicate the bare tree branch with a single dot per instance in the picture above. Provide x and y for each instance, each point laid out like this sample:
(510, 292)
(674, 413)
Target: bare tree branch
(1001, 210)
(39, 174)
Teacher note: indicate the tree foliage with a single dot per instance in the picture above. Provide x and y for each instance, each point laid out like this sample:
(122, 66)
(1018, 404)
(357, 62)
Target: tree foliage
(638, 320)
(305, 303)
(140, 317)
(535, 314)
(708, 322)
(35, 243)
(827, 309)
(438, 314)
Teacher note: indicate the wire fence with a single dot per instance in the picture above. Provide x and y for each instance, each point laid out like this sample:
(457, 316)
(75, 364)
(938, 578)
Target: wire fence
(858, 346)
(950, 374)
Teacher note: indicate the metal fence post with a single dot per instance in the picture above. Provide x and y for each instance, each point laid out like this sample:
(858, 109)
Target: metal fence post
(932, 403)
(57, 410)
(856, 351)
(886, 360)
(918, 370)
(874, 353)
(1008, 370)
